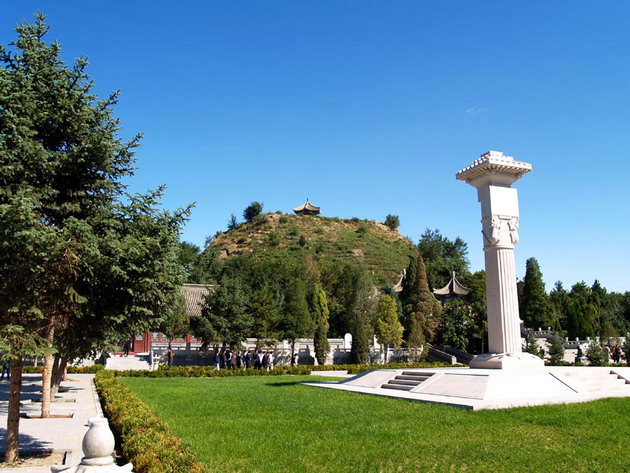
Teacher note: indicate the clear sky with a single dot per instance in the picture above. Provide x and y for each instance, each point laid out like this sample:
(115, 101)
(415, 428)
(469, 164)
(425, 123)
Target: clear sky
(370, 107)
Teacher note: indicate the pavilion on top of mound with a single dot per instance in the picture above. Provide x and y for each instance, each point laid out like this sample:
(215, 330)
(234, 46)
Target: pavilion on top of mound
(452, 289)
(307, 209)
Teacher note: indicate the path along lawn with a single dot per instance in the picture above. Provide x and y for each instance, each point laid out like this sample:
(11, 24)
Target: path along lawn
(274, 424)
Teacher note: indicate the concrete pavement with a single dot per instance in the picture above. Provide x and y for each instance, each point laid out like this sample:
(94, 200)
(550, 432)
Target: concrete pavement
(76, 397)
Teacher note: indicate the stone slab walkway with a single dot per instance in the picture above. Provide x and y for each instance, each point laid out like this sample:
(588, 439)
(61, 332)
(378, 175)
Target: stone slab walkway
(77, 397)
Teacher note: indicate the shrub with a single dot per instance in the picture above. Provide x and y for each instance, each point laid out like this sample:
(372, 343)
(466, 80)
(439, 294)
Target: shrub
(362, 230)
(71, 369)
(392, 221)
(145, 440)
(595, 354)
(302, 241)
(273, 238)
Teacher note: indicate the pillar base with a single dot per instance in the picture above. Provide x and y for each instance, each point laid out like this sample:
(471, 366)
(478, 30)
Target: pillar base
(501, 361)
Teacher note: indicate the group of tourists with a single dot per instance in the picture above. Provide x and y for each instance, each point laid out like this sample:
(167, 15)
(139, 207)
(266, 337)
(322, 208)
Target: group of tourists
(257, 359)
(615, 353)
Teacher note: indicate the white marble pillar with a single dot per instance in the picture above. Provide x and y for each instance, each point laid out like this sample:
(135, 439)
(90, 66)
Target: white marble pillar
(492, 175)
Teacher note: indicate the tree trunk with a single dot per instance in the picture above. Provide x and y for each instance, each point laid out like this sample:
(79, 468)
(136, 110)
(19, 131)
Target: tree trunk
(13, 417)
(386, 350)
(58, 372)
(47, 374)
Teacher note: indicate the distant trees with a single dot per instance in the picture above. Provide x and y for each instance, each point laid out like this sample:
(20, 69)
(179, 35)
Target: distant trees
(252, 211)
(392, 221)
(442, 257)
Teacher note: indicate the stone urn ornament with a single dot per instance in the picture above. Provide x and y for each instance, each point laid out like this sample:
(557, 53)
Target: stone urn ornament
(98, 448)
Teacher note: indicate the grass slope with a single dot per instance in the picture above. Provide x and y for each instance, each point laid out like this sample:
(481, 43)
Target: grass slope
(382, 251)
(259, 424)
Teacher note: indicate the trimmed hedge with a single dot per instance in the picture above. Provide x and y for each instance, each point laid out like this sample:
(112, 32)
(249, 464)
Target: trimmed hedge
(71, 369)
(145, 440)
(210, 372)
(357, 369)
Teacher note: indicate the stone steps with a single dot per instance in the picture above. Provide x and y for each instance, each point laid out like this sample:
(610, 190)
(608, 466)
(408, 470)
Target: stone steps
(407, 380)
(131, 362)
(602, 381)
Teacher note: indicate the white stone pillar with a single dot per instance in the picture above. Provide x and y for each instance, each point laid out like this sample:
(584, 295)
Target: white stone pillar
(492, 175)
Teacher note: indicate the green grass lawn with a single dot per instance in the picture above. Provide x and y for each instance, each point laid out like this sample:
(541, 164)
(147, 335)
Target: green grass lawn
(274, 424)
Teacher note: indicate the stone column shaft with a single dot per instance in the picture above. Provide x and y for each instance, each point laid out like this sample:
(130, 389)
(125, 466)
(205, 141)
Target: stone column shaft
(504, 333)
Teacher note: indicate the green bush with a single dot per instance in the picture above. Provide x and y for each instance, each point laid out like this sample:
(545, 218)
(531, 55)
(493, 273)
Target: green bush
(595, 354)
(144, 440)
(71, 369)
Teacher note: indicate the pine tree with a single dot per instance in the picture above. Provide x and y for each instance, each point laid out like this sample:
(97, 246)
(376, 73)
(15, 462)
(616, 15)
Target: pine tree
(361, 314)
(556, 349)
(321, 314)
(421, 309)
(531, 346)
(389, 330)
(535, 307)
(297, 321)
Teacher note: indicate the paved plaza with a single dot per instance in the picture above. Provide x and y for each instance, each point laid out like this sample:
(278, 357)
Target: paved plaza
(77, 397)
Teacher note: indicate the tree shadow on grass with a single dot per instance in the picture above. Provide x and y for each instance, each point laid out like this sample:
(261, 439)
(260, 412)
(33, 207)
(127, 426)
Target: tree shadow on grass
(285, 383)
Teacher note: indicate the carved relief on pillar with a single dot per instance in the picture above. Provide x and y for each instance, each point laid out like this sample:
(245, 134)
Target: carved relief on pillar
(500, 230)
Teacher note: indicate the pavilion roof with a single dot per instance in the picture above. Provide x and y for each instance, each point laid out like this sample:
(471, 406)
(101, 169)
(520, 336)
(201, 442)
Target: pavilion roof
(452, 288)
(306, 206)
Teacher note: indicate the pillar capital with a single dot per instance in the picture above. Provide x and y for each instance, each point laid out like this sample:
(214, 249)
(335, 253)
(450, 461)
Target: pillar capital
(493, 168)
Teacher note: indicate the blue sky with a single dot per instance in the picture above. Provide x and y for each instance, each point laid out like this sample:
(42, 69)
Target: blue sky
(369, 108)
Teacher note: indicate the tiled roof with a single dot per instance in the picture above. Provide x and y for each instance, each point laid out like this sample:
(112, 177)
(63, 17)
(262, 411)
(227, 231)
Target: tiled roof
(195, 298)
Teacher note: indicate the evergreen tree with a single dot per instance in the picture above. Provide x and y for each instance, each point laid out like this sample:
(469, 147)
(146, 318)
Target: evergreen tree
(560, 300)
(535, 307)
(319, 308)
(392, 221)
(232, 223)
(63, 225)
(252, 211)
(266, 317)
(595, 354)
(389, 330)
(531, 346)
(297, 321)
(556, 350)
(225, 318)
(420, 308)
(361, 315)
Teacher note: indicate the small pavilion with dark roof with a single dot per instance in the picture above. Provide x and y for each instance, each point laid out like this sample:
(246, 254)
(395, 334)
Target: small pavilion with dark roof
(307, 209)
(452, 289)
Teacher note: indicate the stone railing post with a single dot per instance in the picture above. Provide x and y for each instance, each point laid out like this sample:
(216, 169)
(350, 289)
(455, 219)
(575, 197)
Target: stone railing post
(98, 448)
